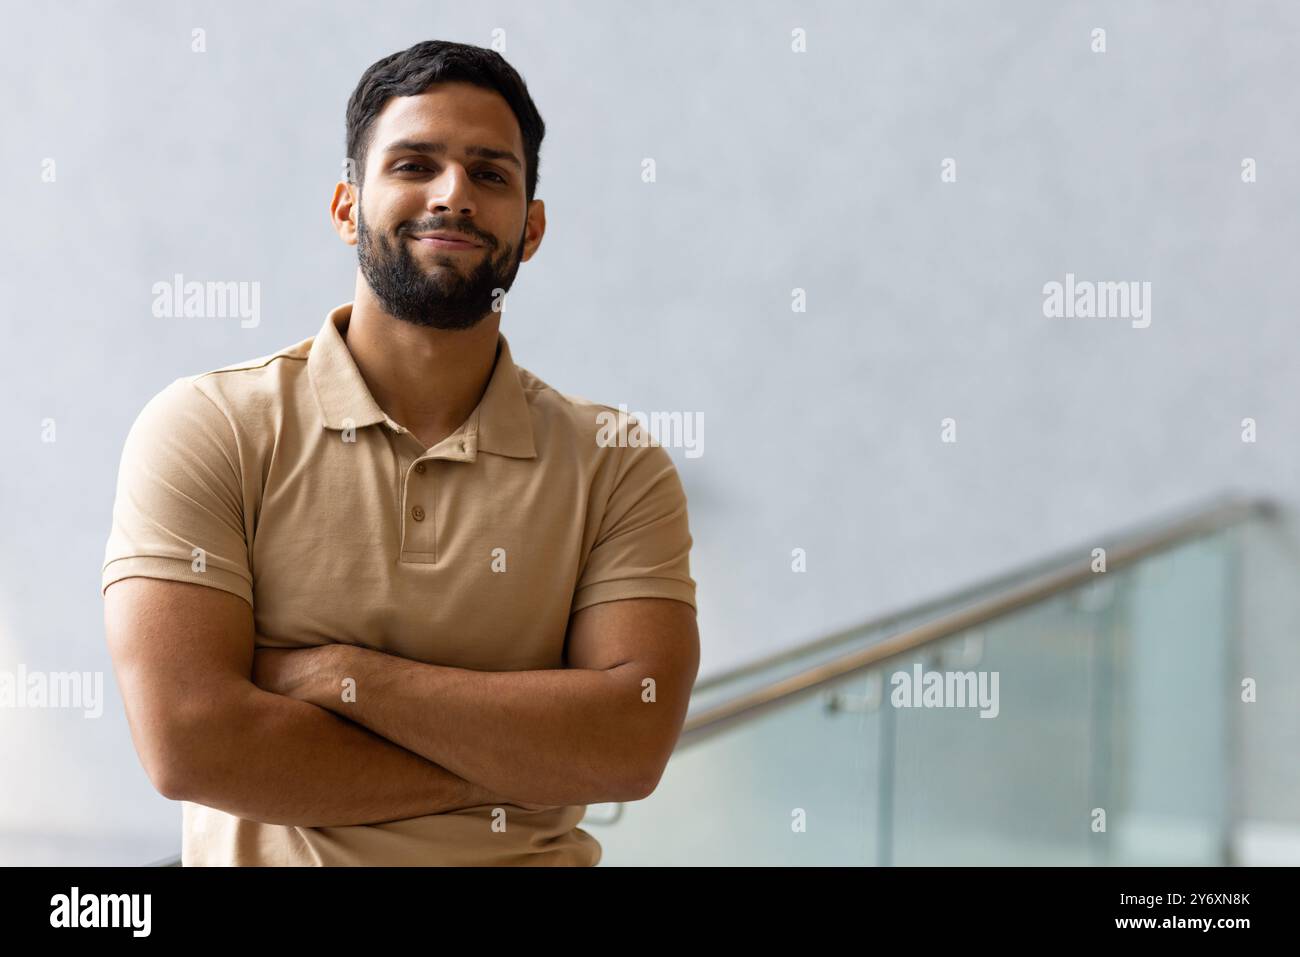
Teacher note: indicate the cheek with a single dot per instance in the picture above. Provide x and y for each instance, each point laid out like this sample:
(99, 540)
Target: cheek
(393, 210)
(507, 231)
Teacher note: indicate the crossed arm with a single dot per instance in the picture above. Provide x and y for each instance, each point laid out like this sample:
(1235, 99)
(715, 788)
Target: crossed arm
(601, 729)
(270, 734)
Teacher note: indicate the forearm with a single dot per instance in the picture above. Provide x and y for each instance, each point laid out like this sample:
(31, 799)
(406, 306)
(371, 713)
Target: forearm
(269, 758)
(563, 736)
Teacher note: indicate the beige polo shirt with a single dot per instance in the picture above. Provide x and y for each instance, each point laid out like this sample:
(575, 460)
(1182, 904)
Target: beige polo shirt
(281, 481)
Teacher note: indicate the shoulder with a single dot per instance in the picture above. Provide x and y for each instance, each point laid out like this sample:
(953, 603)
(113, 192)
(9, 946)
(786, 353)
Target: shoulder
(612, 441)
(241, 389)
(233, 392)
(577, 418)
(224, 409)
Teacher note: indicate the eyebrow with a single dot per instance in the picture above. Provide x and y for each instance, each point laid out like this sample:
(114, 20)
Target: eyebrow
(428, 146)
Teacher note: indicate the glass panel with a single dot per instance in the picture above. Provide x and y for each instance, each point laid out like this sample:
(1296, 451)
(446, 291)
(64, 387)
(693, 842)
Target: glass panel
(1110, 715)
(1265, 669)
(1013, 787)
(797, 785)
(1171, 709)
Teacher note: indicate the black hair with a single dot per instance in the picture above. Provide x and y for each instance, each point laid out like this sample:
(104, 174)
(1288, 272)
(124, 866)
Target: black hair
(413, 70)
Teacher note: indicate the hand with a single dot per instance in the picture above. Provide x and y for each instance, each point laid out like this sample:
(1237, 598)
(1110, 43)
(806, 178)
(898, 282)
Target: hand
(292, 672)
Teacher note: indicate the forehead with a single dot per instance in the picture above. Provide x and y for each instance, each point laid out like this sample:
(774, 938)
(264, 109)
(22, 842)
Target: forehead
(453, 113)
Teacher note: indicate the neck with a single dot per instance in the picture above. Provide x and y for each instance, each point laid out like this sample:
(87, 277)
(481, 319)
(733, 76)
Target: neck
(427, 380)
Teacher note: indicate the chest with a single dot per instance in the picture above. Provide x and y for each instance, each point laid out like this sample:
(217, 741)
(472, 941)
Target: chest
(469, 564)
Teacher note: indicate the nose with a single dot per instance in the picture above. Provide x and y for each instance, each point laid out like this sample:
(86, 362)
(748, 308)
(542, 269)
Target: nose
(450, 191)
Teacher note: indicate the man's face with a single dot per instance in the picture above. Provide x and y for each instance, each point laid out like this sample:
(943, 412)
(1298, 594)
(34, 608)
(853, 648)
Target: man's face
(468, 185)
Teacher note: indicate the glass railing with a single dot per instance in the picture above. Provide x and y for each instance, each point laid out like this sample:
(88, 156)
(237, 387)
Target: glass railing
(1060, 715)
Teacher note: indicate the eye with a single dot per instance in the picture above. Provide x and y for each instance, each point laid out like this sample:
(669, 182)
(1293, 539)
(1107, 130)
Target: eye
(416, 166)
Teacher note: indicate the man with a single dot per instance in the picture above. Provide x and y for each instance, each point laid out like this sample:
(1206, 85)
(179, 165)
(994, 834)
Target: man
(384, 597)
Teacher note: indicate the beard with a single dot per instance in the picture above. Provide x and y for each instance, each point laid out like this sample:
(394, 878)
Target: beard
(440, 297)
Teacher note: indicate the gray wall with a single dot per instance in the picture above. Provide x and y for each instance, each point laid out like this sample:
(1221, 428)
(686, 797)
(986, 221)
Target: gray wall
(775, 170)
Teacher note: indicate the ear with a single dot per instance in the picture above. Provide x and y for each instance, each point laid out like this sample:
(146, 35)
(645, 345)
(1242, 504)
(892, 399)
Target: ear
(343, 211)
(534, 228)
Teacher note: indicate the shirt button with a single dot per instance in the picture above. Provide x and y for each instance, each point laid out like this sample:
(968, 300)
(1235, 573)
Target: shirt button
(417, 513)
(462, 446)
(419, 467)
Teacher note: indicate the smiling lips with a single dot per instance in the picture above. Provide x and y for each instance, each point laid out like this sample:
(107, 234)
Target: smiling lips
(447, 240)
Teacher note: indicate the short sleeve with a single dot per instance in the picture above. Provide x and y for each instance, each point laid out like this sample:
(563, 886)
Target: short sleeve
(178, 513)
(642, 549)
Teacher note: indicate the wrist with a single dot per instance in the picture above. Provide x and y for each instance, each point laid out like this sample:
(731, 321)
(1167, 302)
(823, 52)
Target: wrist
(328, 688)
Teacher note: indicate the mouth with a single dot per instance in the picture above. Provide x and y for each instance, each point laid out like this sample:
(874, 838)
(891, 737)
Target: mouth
(446, 241)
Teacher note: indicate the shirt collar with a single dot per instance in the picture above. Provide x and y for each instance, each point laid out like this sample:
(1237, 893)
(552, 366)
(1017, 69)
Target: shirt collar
(501, 422)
